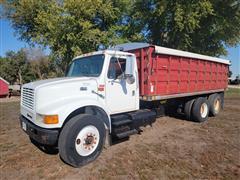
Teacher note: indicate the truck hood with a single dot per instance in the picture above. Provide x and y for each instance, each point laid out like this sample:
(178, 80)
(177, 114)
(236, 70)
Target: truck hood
(55, 81)
(41, 94)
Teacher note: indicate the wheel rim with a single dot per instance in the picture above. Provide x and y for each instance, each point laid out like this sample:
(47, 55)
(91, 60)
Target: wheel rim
(217, 105)
(204, 110)
(87, 140)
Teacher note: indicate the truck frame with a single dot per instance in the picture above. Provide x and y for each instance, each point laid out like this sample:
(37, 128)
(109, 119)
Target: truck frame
(109, 95)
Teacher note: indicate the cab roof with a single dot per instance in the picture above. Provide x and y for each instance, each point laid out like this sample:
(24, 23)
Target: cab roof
(111, 52)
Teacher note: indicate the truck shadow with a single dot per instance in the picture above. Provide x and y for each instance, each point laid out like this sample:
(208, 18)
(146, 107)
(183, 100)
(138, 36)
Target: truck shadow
(176, 115)
(51, 150)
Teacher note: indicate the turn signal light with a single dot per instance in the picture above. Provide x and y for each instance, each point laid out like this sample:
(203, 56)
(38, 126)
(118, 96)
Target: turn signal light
(50, 119)
(101, 87)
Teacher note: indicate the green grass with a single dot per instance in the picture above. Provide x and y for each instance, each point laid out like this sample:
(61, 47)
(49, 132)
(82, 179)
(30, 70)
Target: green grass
(232, 92)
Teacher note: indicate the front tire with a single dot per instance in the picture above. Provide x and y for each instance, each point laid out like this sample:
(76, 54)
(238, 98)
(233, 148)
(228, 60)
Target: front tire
(81, 140)
(200, 109)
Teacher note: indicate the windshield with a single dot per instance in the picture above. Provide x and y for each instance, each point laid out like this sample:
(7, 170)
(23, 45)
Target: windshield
(86, 66)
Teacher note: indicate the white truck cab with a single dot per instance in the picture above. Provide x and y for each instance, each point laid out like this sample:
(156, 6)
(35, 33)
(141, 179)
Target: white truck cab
(97, 85)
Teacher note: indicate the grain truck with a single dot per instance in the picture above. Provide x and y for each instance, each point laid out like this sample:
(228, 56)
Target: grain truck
(109, 95)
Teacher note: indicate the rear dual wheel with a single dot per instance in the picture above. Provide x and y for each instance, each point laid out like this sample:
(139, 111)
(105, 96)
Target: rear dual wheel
(215, 102)
(188, 109)
(200, 109)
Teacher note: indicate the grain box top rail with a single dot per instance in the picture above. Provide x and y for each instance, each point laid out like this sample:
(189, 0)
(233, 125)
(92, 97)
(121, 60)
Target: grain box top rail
(174, 52)
(168, 51)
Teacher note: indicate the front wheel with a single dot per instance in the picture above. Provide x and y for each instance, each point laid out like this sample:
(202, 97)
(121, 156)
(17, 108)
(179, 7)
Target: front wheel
(81, 140)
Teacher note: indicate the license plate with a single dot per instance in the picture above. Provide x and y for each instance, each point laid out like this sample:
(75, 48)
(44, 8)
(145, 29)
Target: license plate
(24, 126)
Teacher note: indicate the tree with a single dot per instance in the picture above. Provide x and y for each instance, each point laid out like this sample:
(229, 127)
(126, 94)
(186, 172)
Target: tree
(5, 70)
(41, 66)
(73, 27)
(199, 26)
(15, 68)
(68, 28)
(27, 65)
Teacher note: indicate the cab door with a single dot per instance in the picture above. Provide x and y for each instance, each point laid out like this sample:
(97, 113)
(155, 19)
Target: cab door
(120, 95)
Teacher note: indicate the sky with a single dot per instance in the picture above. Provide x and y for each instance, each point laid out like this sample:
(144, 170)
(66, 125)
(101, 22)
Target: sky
(9, 41)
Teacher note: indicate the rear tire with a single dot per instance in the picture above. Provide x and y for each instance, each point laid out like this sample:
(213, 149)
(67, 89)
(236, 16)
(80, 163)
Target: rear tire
(188, 109)
(200, 109)
(81, 140)
(215, 104)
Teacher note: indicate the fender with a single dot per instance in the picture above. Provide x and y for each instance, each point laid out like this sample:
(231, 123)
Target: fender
(64, 108)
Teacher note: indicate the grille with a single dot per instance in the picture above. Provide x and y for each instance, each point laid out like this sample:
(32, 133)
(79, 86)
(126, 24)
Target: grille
(28, 98)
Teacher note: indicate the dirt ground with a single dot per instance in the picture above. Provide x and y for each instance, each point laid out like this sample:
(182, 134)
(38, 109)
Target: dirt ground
(171, 149)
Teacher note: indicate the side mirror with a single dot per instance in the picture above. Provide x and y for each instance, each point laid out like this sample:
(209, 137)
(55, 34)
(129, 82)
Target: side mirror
(129, 72)
(129, 65)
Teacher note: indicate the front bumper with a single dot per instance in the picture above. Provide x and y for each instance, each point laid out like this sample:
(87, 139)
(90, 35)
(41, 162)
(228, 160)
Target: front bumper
(41, 135)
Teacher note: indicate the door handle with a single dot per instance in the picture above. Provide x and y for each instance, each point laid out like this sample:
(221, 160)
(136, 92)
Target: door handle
(83, 88)
(133, 93)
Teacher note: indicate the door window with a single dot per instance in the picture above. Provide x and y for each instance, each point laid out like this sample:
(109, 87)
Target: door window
(116, 68)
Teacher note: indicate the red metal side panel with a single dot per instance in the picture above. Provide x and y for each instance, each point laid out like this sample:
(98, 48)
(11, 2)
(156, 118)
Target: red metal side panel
(144, 62)
(3, 88)
(184, 67)
(161, 73)
(207, 75)
(166, 74)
